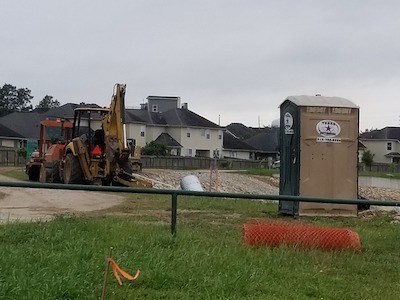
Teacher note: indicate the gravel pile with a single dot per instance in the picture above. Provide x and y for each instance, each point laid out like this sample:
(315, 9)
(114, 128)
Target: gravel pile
(247, 184)
(225, 182)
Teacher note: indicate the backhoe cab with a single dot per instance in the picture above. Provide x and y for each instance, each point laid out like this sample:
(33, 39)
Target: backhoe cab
(97, 153)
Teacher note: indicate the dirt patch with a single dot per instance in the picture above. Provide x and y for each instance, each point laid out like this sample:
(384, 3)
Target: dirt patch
(25, 204)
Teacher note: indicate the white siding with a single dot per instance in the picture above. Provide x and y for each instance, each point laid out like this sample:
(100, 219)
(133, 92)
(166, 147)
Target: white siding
(240, 154)
(379, 148)
(201, 140)
(8, 143)
(133, 132)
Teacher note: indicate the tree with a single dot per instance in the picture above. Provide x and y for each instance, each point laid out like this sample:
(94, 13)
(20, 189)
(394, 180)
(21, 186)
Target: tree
(13, 99)
(154, 148)
(46, 103)
(368, 158)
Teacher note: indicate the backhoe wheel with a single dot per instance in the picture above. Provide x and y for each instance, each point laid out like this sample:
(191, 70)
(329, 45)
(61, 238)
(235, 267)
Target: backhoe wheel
(34, 172)
(72, 170)
(55, 172)
(43, 174)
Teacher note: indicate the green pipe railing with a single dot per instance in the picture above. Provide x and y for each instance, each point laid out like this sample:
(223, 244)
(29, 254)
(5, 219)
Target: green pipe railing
(175, 193)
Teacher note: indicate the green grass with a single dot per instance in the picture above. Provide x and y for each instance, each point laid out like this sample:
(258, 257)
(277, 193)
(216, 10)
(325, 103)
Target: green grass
(262, 172)
(380, 174)
(14, 172)
(267, 172)
(65, 258)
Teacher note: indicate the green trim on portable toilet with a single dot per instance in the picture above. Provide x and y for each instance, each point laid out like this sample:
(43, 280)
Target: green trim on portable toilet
(289, 141)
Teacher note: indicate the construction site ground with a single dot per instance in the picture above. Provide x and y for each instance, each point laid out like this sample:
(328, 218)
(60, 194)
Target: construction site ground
(27, 204)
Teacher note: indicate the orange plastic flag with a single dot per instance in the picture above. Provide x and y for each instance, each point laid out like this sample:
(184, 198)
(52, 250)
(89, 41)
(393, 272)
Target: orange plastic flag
(117, 269)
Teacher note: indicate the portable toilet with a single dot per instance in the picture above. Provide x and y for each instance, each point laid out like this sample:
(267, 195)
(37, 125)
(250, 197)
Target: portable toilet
(319, 154)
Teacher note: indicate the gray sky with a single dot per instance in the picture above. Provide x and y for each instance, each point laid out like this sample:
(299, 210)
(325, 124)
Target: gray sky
(236, 59)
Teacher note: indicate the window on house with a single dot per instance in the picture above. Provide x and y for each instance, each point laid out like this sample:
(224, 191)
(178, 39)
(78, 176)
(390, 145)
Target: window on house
(188, 134)
(189, 152)
(208, 136)
(220, 136)
(154, 108)
(142, 130)
(203, 132)
(389, 146)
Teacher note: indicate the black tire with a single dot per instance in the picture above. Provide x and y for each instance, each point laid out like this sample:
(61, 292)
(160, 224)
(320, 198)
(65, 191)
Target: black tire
(55, 172)
(72, 170)
(34, 173)
(43, 174)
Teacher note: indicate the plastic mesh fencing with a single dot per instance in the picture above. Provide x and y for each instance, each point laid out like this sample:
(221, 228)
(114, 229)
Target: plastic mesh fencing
(275, 234)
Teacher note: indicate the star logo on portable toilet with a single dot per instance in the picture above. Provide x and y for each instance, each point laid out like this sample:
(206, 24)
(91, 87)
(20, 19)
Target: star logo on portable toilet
(328, 131)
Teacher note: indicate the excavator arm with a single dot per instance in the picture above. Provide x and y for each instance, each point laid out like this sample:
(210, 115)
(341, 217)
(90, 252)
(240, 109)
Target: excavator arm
(116, 148)
(114, 125)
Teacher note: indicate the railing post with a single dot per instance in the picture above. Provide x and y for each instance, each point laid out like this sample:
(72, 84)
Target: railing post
(174, 208)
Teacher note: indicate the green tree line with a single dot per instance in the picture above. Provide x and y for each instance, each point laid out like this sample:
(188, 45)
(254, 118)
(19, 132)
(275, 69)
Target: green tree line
(13, 99)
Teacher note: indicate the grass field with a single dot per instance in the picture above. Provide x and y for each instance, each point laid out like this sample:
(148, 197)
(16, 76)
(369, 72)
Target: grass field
(14, 172)
(65, 258)
(380, 174)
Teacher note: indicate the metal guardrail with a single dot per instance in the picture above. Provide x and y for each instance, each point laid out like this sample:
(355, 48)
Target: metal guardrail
(175, 193)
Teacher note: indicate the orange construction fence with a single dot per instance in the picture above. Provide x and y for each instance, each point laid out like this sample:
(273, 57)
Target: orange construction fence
(277, 233)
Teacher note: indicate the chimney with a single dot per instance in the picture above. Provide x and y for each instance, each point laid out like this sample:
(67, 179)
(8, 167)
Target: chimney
(185, 105)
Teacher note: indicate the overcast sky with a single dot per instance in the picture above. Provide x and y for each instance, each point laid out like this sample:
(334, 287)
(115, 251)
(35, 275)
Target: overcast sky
(236, 59)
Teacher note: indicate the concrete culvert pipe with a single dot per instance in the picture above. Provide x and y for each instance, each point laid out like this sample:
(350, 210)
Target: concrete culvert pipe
(191, 183)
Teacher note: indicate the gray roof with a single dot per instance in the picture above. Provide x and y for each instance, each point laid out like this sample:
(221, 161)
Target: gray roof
(67, 110)
(393, 154)
(7, 132)
(166, 139)
(267, 141)
(233, 143)
(387, 133)
(25, 124)
(242, 131)
(173, 117)
(320, 101)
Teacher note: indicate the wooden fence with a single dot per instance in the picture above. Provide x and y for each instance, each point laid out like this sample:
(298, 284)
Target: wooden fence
(10, 158)
(380, 168)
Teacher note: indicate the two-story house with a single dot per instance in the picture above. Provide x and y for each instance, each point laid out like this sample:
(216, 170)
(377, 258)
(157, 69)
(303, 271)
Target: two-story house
(383, 143)
(163, 119)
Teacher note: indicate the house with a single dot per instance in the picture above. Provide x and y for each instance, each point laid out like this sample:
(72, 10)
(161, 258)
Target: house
(262, 142)
(25, 124)
(184, 132)
(17, 129)
(10, 139)
(266, 143)
(233, 147)
(383, 143)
